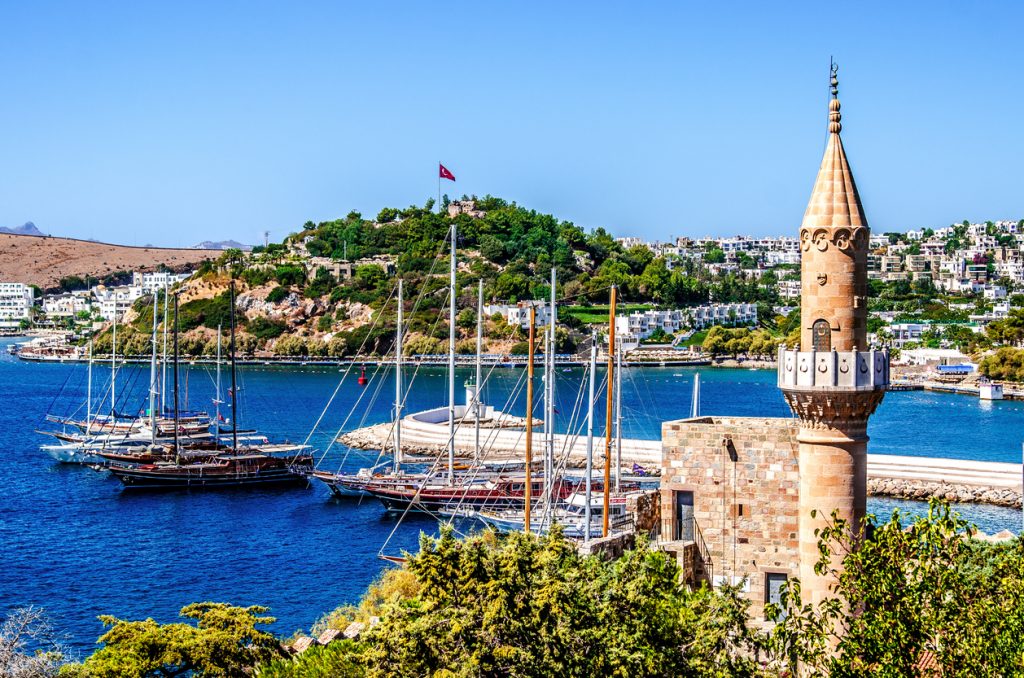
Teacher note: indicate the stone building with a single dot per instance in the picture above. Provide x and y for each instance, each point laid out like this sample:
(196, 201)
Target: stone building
(738, 493)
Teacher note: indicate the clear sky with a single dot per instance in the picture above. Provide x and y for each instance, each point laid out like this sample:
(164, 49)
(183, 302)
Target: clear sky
(175, 122)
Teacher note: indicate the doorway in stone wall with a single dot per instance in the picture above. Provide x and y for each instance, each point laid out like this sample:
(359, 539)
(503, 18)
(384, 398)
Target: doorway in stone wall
(682, 500)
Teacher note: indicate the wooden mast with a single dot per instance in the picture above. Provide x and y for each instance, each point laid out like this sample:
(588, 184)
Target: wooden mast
(609, 414)
(234, 384)
(479, 365)
(152, 377)
(451, 360)
(398, 382)
(177, 448)
(528, 496)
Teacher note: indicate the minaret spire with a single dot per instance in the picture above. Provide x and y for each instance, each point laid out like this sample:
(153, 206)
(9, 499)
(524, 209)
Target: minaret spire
(833, 382)
(834, 244)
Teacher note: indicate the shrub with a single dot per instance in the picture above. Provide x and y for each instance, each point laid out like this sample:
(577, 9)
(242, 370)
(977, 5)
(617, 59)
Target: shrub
(277, 295)
(265, 328)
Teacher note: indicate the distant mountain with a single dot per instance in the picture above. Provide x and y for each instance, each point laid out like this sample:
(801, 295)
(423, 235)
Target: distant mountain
(221, 245)
(28, 228)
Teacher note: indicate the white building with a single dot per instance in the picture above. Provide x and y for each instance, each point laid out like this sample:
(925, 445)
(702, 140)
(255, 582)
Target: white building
(115, 300)
(630, 242)
(775, 258)
(66, 305)
(16, 302)
(994, 292)
(157, 280)
(640, 325)
(789, 289)
(519, 314)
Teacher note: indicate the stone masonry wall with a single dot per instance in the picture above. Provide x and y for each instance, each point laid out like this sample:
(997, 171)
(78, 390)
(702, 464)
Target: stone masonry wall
(747, 510)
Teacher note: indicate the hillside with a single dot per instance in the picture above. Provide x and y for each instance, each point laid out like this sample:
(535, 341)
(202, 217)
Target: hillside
(291, 303)
(43, 261)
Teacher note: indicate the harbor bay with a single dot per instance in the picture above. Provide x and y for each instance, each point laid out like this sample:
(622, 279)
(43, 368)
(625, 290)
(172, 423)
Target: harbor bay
(79, 546)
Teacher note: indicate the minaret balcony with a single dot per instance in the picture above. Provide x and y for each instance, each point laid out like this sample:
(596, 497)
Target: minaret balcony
(833, 370)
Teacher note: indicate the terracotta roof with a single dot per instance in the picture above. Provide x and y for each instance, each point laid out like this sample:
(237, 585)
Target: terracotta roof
(928, 664)
(834, 201)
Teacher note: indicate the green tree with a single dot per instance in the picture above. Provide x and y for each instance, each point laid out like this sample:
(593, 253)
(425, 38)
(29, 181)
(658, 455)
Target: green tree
(714, 256)
(906, 591)
(224, 641)
(531, 606)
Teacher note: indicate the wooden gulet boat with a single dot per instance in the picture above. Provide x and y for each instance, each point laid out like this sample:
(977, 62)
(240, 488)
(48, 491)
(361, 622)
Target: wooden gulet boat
(230, 467)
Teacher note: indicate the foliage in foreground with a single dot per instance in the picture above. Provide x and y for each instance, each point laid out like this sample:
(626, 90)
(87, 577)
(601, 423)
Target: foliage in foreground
(531, 606)
(24, 629)
(223, 642)
(911, 591)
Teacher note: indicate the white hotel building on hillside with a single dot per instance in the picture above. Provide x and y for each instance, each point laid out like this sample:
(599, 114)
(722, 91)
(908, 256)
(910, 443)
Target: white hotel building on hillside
(115, 300)
(639, 325)
(68, 304)
(16, 302)
(157, 280)
(519, 314)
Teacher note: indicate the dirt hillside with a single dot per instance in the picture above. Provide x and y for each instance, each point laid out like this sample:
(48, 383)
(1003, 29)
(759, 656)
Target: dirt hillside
(43, 261)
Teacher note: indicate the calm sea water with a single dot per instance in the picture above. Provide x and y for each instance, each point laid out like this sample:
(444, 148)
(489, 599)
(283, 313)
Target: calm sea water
(72, 542)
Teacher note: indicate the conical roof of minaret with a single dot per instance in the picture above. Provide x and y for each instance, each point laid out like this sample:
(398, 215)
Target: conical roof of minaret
(834, 201)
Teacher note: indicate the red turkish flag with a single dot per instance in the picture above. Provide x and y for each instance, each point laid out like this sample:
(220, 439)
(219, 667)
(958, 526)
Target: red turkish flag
(444, 173)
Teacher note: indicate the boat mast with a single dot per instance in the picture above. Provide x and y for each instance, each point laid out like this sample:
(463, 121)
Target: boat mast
(608, 414)
(177, 448)
(113, 368)
(528, 492)
(590, 439)
(88, 393)
(234, 386)
(550, 401)
(398, 382)
(451, 362)
(695, 402)
(163, 368)
(479, 366)
(618, 421)
(216, 399)
(152, 377)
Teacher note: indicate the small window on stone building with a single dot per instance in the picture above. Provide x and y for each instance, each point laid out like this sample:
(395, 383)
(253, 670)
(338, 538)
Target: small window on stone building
(773, 582)
(821, 336)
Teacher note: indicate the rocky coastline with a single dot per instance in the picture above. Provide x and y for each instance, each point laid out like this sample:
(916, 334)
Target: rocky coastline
(923, 490)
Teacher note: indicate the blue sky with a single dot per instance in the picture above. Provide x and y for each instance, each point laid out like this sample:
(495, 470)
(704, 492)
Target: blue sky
(171, 123)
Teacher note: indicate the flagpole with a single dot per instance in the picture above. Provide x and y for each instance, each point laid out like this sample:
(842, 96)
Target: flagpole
(438, 186)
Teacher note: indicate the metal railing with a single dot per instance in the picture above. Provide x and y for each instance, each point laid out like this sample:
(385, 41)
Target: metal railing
(702, 551)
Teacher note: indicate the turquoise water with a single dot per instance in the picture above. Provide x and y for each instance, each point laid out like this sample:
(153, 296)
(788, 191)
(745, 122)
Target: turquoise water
(72, 542)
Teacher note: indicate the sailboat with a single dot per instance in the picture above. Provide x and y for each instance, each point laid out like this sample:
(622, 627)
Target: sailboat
(233, 465)
(577, 512)
(97, 439)
(439, 488)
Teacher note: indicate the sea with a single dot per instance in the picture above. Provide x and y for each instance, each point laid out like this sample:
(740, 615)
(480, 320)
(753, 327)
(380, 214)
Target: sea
(75, 544)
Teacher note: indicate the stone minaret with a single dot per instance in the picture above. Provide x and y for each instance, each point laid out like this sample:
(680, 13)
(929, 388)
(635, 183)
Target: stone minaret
(833, 382)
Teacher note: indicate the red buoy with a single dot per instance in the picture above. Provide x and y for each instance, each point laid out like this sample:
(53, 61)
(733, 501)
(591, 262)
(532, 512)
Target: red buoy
(362, 377)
